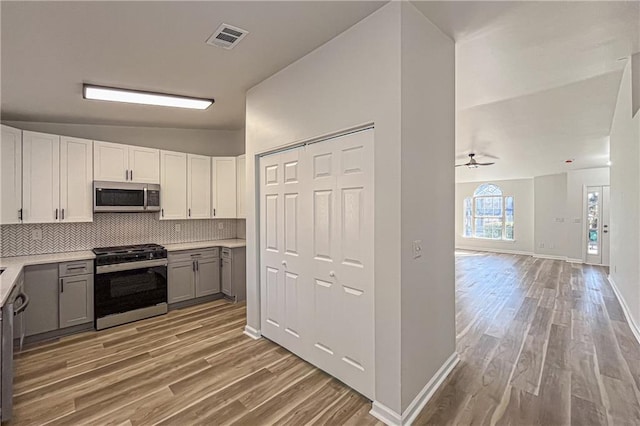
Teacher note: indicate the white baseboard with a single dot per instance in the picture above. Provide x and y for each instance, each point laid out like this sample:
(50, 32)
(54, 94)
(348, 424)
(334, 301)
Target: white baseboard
(252, 332)
(570, 260)
(627, 313)
(549, 256)
(392, 418)
(495, 250)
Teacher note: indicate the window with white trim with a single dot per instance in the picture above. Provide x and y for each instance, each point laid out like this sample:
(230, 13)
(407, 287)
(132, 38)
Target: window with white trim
(488, 214)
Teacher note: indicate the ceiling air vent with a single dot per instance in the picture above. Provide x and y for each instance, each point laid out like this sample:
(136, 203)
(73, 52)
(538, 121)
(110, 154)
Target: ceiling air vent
(227, 36)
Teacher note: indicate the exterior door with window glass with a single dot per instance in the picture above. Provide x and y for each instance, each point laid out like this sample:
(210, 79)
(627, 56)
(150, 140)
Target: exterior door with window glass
(597, 233)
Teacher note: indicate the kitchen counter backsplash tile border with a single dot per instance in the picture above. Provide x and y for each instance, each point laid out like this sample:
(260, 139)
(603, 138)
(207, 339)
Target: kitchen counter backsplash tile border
(109, 229)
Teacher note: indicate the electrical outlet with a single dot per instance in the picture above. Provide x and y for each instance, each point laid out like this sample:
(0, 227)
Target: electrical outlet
(417, 249)
(541, 245)
(220, 225)
(178, 227)
(36, 235)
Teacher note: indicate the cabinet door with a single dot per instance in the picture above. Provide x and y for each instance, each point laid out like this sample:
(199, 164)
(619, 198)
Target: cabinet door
(207, 276)
(40, 177)
(227, 286)
(223, 184)
(10, 175)
(144, 165)
(41, 285)
(241, 190)
(181, 281)
(199, 186)
(173, 174)
(76, 178)
(110, 162)
(76, 300)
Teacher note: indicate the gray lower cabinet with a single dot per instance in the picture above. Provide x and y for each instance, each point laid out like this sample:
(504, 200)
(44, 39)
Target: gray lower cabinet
(61, 295)
(41, 285)
(193, 273)
(76, 300)
(207, 276)
(181, 281)
(234, 278)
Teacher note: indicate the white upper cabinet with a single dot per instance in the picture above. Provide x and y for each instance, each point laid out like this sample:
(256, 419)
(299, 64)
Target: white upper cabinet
(223, 185)
(57, 176)
(126, 163)
(76, 180)
(110, 161)
(40, 177)
(241, 190)
(173, 193)
(10, 176)
(144, 165)
(198, 186)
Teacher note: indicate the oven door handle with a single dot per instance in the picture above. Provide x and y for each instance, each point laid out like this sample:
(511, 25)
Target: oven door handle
(130, 266)
(146, 203)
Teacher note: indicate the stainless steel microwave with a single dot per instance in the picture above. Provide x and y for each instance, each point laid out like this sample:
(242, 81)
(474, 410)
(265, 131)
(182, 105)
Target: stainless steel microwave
(125, 197)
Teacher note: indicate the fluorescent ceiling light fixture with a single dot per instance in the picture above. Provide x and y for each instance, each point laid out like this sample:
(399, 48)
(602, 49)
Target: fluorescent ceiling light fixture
(113, 94)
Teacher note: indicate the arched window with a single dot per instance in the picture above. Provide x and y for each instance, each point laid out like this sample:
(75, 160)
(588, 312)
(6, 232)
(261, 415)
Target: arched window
(488, 214)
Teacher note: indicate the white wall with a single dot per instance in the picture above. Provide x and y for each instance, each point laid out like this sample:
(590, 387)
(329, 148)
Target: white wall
(361, 77)
(194, 141)
(625, 199)
(550, 195)
(428, 135)
(522, 192)
(351, 80)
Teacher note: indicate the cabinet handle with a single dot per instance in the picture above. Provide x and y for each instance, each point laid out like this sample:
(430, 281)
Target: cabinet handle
(197, 266)
(61, 285)
(162, 211)
(189, 212)
(193, 265)
(56, 214)
(130, 174)
(19, 214)
(62, 217)
(126, 175)
(214, 212)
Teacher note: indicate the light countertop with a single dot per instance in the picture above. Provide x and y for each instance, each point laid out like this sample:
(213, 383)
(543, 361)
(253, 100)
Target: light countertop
(232, 243)
(13, 267)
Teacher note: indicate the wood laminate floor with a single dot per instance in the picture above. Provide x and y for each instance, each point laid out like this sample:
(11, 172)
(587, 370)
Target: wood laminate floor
(541, 342)
(191, 366)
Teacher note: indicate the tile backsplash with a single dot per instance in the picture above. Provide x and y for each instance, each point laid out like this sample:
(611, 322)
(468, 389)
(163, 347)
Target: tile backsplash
(109, 229)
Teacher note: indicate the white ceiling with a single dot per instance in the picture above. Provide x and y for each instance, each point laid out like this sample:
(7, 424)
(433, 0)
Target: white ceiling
(50, 48)
(536, 82)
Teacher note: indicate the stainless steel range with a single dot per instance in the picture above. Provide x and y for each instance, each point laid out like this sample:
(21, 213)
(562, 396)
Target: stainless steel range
(130, 284)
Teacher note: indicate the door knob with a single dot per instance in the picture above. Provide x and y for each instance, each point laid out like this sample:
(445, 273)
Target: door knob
(332, 274)
(284, 263)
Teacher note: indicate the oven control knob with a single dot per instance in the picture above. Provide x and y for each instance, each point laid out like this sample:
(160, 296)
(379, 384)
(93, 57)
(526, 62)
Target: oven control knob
(150, 255)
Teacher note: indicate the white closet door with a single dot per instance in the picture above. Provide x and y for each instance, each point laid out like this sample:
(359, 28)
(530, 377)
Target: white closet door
(285, 281)
(76, 180)
(342, 250)
(40, 177)
(327, 269)
(241, 187)
(173, 176)
(199, 186)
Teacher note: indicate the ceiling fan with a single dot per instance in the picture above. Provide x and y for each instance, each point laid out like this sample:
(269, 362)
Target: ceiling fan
(473, 164)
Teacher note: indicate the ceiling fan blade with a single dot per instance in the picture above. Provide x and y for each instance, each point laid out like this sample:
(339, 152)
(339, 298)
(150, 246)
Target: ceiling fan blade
(485, 164)
(462, 165)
